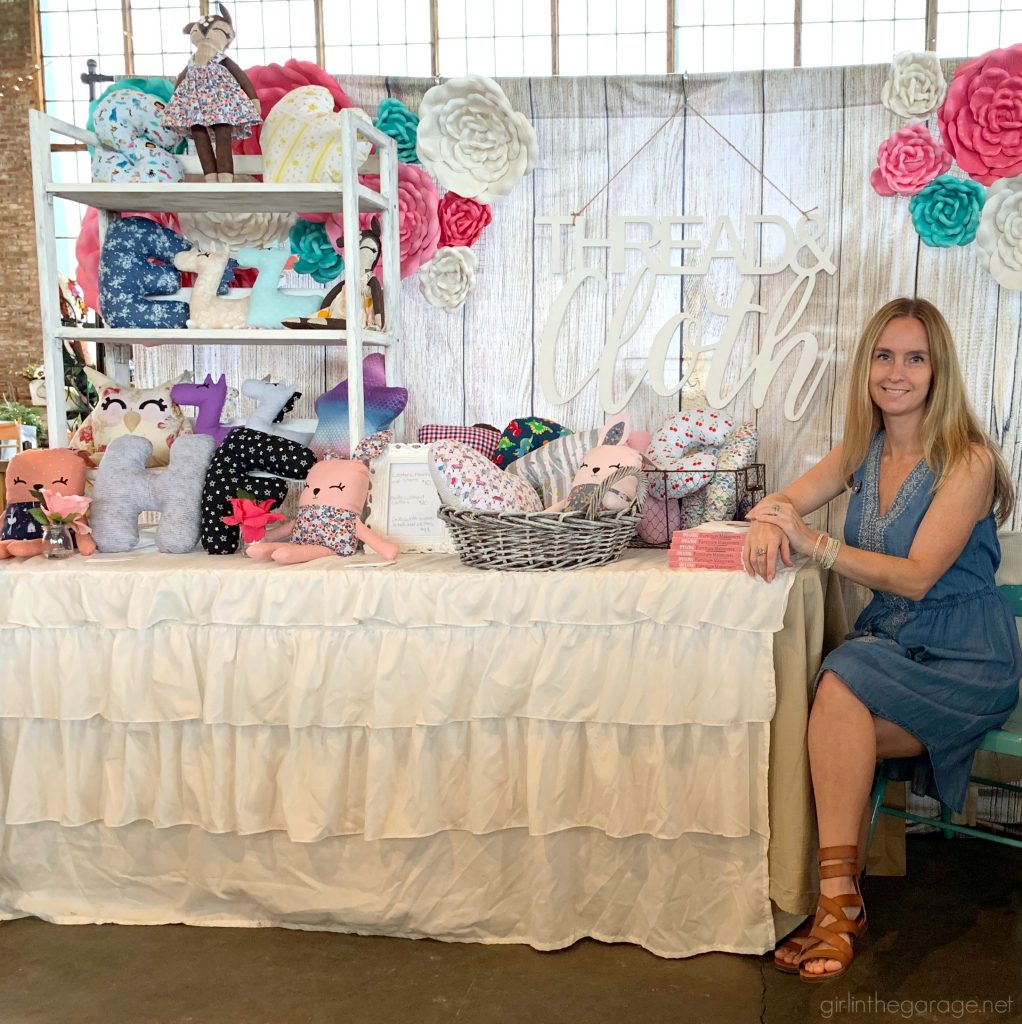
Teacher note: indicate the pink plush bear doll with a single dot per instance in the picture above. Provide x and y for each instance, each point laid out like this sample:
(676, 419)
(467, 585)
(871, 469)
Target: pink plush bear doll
(611, 457)
(329, 520)
(57, 469)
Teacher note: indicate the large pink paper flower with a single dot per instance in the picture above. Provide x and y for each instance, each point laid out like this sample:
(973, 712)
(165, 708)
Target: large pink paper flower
(908, 161)
(462, 220)
(981, 119)
(418, 223)
(272, 81)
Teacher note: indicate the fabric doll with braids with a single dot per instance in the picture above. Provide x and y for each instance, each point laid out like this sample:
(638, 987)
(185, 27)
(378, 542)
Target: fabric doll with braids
(214, 101)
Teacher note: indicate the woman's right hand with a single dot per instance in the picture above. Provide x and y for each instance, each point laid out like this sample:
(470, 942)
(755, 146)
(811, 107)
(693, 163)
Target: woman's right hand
(763, 543)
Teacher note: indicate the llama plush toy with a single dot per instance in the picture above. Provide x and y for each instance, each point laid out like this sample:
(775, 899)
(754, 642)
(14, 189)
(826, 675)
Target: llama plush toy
(329, 520)
(207, 309)
(611, 464)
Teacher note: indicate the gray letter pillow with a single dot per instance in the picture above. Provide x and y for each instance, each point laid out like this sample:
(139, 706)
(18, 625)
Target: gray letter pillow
(124, 489)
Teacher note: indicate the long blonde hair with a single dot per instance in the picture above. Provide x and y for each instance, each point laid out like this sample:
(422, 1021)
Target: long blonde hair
(949, 425)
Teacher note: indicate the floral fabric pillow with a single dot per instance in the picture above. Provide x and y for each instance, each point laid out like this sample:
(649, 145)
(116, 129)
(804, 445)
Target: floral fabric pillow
(465, 479)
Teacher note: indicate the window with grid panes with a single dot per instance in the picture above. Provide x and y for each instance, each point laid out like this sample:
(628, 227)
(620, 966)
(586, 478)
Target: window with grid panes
(612, 37)
(378, 37)
(733, 35)
(967, 28)
(494, 37)
(860, 31)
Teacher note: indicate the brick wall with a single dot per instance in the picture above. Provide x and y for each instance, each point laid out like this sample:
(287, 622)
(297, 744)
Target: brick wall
(20, 339)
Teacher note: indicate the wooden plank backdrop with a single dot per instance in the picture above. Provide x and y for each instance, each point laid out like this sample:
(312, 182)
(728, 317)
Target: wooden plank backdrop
(813, 131)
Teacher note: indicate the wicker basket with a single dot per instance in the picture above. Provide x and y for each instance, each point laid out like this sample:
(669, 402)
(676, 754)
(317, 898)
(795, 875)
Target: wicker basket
(540, 541)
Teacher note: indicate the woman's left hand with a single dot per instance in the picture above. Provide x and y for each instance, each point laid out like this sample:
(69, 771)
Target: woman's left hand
(782, 514)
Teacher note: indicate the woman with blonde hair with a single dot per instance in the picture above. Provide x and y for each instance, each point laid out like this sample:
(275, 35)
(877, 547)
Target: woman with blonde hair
(934, 659)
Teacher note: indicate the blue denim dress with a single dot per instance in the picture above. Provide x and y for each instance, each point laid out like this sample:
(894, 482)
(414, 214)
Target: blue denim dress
(945, 668)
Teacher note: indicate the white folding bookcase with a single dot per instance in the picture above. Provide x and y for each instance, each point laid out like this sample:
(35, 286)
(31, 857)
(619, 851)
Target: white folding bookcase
(350, 198)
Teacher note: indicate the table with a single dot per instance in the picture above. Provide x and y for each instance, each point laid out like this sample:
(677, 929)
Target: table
(415, 750)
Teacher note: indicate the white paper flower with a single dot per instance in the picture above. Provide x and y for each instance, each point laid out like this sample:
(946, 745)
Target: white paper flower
(999, 238)
(448, 277)
(915, 87)
(472, 141)
(237, 230)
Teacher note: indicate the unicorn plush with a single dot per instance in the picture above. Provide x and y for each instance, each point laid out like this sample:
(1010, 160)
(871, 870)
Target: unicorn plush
(209, 398)
(275, 399)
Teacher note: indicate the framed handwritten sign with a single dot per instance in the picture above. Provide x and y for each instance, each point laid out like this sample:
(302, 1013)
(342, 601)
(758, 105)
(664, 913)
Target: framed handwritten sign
(403, 500)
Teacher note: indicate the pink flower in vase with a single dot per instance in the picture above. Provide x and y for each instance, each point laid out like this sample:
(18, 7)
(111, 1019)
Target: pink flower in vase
(64, 508)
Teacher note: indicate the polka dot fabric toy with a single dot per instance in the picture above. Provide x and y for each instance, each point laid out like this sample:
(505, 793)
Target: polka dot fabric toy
(245, 450)
(686, 443)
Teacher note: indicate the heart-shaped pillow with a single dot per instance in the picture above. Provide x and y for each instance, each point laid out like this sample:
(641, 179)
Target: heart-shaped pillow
(302, 140)
(466, 479)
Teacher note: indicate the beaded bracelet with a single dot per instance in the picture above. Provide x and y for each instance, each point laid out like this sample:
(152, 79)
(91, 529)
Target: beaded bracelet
(816, 546)
(830, 553)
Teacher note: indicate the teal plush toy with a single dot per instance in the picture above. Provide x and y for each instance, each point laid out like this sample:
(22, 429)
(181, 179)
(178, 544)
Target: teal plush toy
(268, 305)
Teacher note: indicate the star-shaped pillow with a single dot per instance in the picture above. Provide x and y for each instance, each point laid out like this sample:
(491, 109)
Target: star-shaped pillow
(383, 405)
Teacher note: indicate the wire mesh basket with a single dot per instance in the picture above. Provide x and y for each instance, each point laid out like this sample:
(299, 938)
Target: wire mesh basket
(733, 493)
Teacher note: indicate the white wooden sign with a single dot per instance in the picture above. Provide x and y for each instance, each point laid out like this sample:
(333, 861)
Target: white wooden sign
(403, 500)
(804, 254)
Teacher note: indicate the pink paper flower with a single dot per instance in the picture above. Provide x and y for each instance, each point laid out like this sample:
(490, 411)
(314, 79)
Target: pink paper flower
(252, 516)
(272, 81)
(64, 506)
(462, 220)
(908, 161)
(418, 223)
(981, 119)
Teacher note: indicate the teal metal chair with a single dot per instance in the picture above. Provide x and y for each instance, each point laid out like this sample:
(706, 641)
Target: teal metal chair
(1007, 740)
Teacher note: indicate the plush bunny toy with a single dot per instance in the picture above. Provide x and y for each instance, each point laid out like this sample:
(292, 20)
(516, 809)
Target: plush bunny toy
(329, 514)
(609, 459)
(57, 469)
(214, 100)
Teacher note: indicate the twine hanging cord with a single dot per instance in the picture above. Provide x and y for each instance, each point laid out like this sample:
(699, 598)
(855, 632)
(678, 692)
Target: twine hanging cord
(685, 106)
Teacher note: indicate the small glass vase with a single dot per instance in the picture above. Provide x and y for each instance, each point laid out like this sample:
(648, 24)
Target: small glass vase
(57, 541)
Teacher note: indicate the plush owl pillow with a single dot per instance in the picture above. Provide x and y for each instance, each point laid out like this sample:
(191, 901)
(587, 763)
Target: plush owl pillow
(125, 411)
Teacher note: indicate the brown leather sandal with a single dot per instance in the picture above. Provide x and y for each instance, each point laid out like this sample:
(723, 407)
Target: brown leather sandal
(834, 939)
(795, 943)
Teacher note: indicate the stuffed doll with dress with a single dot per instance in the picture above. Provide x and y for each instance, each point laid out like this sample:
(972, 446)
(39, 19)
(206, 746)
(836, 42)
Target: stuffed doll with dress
(59, 470)
(334, 311)
(214, 101)
(329, 520)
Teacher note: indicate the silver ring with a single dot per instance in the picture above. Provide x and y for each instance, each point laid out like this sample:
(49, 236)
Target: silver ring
(760, 551)
(777, 510)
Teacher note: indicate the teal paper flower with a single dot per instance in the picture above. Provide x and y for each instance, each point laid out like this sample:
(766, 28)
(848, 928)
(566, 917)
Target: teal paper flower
(946, 212)
(316, 256)
(393, 118)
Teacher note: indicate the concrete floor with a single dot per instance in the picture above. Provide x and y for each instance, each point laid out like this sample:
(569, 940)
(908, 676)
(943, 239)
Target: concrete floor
(950, 931)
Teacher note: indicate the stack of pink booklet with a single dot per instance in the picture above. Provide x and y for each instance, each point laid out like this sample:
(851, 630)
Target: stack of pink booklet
(706, 548)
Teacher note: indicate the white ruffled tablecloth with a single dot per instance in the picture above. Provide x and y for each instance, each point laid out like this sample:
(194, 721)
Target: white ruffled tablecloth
(416, 749)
